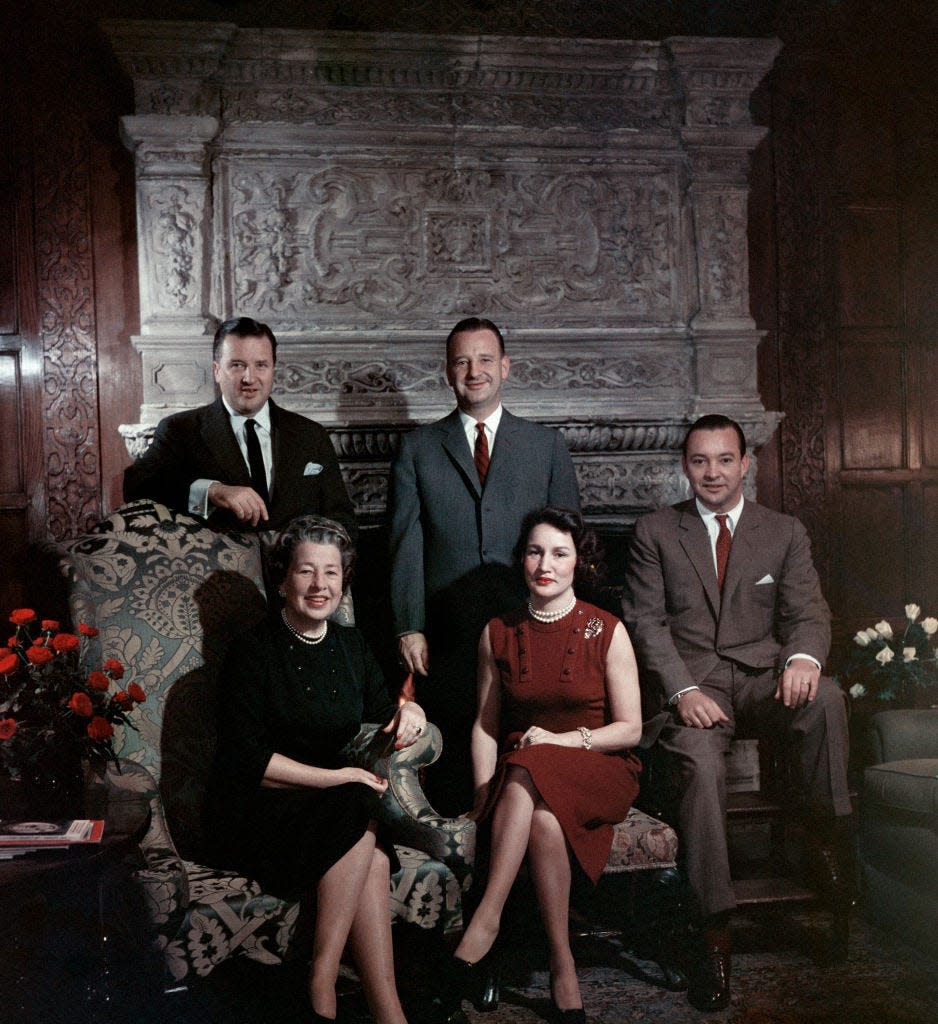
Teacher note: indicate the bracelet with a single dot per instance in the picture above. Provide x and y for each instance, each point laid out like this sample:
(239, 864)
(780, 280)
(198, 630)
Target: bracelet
(587, 736)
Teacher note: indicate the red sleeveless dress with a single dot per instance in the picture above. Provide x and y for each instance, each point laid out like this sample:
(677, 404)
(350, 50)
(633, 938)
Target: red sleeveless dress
(553, 676)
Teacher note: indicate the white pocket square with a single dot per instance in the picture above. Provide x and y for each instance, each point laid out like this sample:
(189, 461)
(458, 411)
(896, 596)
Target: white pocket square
(312, 469)
(767, 578)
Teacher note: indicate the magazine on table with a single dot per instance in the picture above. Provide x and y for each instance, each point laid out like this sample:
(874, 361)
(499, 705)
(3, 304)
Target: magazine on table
(27, 835)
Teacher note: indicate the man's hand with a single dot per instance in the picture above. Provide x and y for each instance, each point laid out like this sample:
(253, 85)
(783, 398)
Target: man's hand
(246, 504)
(412, 647)
(698, 711)
(798, 684)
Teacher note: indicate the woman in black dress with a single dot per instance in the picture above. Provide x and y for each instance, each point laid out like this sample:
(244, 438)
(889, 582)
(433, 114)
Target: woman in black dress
(286, 807)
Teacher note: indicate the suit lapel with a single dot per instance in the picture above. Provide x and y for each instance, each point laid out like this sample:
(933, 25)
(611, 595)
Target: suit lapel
(218, 435)
(745, 540)
(696, 543)
(457, 448)
(285, 451)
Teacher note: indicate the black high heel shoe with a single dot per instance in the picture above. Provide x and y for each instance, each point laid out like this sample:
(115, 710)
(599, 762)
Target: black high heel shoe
(575, 1016)
(478, 982)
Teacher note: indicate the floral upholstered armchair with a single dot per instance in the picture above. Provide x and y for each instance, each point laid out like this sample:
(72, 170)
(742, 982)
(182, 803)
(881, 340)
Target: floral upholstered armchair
(168, 595)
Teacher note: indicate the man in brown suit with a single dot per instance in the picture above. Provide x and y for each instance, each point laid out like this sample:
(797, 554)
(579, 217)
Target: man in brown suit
(724, 607)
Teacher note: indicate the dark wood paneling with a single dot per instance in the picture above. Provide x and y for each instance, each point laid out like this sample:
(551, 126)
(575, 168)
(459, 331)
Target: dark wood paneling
(868, 279)
(872, 400)
(12, 470)
(872, 577)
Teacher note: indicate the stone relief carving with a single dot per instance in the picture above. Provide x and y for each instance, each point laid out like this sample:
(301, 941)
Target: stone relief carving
(361, 192)
(334, 242)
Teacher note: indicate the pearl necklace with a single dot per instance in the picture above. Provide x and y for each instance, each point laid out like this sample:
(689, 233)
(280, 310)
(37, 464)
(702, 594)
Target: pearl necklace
(302, 637)
(540, 616)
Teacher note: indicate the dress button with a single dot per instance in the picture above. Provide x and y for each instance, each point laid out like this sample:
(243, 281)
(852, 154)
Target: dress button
(570, 650)
(524, 670)
(521, 650)
(566, 671)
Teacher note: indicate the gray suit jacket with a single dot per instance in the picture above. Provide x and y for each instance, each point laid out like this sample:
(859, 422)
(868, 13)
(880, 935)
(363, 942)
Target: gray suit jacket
(200, 444)
(452, 541)
(771, 608)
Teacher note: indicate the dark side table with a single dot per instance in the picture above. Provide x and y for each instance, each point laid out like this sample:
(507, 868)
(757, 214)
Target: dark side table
(72, 922)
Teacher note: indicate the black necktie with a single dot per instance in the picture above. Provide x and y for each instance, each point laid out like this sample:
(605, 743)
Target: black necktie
(256, 461)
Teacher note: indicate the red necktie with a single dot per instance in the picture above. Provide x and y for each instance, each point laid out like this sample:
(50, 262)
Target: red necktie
(724, 543)
(481, 453)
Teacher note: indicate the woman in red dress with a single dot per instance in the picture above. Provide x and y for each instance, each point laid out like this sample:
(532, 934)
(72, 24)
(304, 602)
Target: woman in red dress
(558, 711)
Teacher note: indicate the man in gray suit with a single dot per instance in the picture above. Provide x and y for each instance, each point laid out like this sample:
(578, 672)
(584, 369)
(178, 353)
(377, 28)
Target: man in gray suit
(460, 488)
(724, 606)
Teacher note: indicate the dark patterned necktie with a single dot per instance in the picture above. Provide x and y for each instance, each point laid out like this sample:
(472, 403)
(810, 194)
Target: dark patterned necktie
(256, 461)
(724, 543)
(481, 453)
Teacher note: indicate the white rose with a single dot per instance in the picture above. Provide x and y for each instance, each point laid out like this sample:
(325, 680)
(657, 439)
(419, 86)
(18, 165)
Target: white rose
(885, 656)
(884, 629)
(872, 634)
(908, 654)
(930, 625)
(858, 690)
(912, 612)
(862, 639)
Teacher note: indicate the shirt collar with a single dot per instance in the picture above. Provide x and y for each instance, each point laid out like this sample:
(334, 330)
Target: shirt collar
(261, 417)
(491, 422)
(732, 516)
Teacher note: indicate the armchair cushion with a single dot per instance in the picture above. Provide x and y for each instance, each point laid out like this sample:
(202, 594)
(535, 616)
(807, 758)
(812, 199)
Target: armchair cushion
(904, 734)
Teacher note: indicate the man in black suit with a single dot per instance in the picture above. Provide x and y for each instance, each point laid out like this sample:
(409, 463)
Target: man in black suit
(242, 461)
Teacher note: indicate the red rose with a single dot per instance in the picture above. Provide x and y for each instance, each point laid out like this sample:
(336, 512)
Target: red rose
(7, 728)
(39, 655)
(98, 681)
(136, 691)
(87, 630)
(123, 700)
(81, 705)
(100, 729)
(9, 664)
(22, 616)
(49, 625)
(114, 668)
(63, 642)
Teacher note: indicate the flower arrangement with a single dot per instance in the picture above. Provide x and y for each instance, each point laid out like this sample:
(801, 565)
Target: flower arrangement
(54, 713)
(892, 666)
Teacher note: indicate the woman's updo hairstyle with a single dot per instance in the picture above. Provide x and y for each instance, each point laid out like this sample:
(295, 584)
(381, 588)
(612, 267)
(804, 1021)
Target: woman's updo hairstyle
(589, 552)
(310, 530)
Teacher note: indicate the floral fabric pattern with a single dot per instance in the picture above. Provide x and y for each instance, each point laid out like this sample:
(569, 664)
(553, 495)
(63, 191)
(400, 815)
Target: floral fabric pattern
(168, 595)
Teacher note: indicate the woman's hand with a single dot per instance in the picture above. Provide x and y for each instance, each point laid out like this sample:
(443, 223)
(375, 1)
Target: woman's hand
(363, 776)
(407, 724)
(535, 734)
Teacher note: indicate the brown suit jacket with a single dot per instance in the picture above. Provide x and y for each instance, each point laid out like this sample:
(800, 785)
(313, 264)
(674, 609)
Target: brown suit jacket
(771, 608)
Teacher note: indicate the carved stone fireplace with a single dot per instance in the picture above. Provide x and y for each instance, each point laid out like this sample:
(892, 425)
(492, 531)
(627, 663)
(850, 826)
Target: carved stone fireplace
(362, 192)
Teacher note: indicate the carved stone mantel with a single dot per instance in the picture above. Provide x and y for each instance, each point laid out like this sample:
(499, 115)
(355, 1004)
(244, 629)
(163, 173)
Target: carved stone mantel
(362, 192)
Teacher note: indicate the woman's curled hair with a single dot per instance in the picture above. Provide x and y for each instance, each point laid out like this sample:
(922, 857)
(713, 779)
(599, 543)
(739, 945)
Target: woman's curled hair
(589, 552)
(310, 530)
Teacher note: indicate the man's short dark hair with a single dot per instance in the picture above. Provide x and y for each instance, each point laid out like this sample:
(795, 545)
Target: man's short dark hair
(243, 327)
(716, 421)
(475, 323)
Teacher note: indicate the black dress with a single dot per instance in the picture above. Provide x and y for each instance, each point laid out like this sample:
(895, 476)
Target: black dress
(277, 694)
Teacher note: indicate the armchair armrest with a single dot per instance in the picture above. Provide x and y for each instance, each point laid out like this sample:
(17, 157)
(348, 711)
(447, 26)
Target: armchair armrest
(904, 735)
(162, 875)
(404, 806)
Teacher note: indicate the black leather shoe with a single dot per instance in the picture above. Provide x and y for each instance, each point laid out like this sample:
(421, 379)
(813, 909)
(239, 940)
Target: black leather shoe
(708, 985)
(577, 1016)
(478, 982)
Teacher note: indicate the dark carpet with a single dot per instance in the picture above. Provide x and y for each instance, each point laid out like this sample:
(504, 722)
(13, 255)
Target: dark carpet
(780, 977)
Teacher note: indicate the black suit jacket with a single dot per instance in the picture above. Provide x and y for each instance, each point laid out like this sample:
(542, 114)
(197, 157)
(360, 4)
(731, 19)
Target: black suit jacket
(200, 444)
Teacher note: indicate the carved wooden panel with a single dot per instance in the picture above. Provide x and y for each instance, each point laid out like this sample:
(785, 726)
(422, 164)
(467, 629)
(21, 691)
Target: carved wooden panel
(868, 282)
